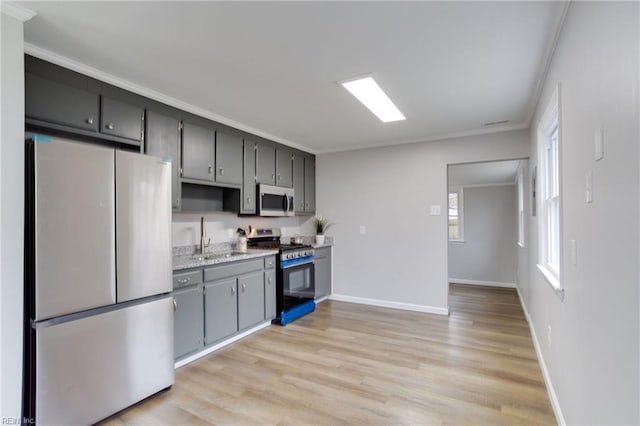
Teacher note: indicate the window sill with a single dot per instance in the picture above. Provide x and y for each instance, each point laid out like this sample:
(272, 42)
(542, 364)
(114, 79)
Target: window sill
(552, 280)
(457, 242)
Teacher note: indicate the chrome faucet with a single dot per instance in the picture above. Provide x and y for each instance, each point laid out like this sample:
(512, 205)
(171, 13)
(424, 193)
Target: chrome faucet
(204, 242)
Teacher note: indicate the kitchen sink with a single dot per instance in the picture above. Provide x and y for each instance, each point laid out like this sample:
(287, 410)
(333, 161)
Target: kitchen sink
(210, 256)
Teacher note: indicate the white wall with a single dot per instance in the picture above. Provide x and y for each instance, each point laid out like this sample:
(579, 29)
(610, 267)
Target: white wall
(592, 355)
(11, 214)
(221, 227)
(402, 258)
(488, 252)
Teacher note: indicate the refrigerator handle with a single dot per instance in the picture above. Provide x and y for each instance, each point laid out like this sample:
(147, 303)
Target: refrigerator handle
(175, 305)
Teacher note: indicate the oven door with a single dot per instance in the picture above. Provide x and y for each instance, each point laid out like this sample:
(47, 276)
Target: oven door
(298, 280)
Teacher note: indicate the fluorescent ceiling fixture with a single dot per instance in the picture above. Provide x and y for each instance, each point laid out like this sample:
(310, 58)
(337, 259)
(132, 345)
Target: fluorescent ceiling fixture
(367, 91)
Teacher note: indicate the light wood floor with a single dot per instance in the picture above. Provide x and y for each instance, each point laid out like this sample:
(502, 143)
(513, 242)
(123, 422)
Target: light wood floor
(361, 365)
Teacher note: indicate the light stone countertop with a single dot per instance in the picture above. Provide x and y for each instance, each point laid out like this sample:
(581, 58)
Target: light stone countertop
(181, 262)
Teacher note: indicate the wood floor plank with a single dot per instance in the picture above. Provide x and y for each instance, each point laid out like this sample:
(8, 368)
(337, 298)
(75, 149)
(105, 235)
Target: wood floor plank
(363, 365)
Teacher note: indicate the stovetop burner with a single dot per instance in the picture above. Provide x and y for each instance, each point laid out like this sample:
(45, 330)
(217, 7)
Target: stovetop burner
(270, 239)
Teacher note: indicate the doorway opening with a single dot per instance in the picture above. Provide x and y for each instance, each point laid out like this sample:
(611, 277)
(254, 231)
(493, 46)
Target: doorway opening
(486, 229)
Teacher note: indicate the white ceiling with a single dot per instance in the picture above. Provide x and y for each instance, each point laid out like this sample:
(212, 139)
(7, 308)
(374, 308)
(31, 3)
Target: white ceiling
(273, 66)
(487, 173)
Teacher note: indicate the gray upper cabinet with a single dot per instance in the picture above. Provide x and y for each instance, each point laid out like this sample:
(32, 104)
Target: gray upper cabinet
(284, 167)
(248, 205)
(162, 139)
(121, 119)
(229, 153)
(250, 300)
(265, 163)
(310, 184)
(220, 310)
(188, 321)
(298, 183)
(198, 152)
(270, 294)
(57, 103)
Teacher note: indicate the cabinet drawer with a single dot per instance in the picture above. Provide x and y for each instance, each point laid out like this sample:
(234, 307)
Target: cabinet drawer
(323, 252)
(231, 269)
(187, 278)
(269, 262)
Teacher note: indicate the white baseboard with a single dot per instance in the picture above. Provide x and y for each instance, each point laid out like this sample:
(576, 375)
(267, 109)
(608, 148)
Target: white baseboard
(555, 404)
(322, 299)
(220, 345)
(484, 283)
(389, 304)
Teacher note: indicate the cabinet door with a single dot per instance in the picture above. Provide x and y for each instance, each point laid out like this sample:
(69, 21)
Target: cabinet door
(188, 321)
(58, 103)
(250, 300)
(163, 140)
(310, 185)
(284, 167)
(265, 164)
(270, 294)
(249, 178)
(298, 182)
(198, 155)
(220, 310)
(323, 276)
(121, 119)
(228, 159)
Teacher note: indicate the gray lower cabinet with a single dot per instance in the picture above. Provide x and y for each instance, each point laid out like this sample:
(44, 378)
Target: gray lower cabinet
(250, 300)
(198, 153)
(221, 310)
(188, 321)
(284, 167)
(229, 152)
(323, 272)
(61, 104)
(270, 294)
(162, 139)
(265, 163)
(121, 119)
(248, 204)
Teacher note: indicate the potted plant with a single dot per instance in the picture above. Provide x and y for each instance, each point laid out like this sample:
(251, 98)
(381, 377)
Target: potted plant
(321, 224)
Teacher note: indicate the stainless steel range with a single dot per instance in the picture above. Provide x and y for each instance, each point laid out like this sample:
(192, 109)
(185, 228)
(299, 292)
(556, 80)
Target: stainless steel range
(295, 282)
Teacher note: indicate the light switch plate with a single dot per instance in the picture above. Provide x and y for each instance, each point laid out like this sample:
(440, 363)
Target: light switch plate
(435, 210)
(589, 187)
(363, 229)
(599, 144)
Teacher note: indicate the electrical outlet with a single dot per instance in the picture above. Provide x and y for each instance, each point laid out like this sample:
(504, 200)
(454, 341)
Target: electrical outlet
(363, 229)
(549, 334)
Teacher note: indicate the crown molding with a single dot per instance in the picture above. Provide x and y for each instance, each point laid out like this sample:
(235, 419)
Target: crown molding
(20, 13)
(90, 71)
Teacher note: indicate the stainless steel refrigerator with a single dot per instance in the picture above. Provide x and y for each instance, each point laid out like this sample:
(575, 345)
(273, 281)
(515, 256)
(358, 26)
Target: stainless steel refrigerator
(98, 314)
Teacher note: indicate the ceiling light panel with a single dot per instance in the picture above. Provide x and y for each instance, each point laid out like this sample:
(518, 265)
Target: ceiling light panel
(367, 91)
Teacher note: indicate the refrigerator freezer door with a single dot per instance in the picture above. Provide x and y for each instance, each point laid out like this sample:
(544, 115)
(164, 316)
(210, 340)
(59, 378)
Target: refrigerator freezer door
(74, 227)
(93, 367)
(143, 226)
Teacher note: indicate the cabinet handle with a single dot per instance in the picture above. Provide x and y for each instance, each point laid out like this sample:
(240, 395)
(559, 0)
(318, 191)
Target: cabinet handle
(270, 264)
(221, 171)
(244, 287)
(210, 169)
(233, 290)
(269, 280)
(110, 126)
(273, 176)
(175, 305)
(248, 200)
(90, 120)
(178, 202)
(184, 280)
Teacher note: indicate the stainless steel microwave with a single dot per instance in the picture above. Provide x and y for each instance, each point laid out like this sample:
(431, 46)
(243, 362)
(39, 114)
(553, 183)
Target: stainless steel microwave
(275, 201)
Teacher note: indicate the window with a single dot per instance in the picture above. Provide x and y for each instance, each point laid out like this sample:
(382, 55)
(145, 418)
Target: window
(550, 226)
(521, 206)
(455, 215)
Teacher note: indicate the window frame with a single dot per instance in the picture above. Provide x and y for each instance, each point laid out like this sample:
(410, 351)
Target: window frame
(521, 208)
(460, 192)
(549, 182)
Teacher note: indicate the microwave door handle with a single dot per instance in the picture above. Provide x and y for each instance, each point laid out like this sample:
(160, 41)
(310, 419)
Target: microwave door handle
(288, 203)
